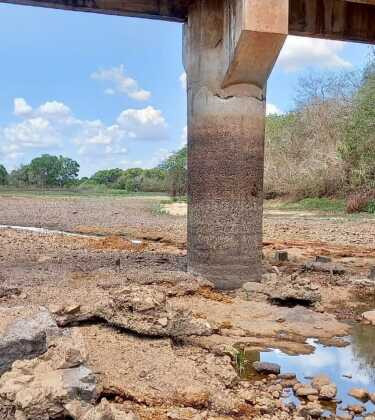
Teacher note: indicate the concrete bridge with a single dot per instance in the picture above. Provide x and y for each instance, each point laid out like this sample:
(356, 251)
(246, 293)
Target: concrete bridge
(230, 47)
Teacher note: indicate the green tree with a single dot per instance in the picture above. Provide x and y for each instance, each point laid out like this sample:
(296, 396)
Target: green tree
(19, 177)
(176, 169)
(48, 170)
(3, 175)
(107, 176)
(68, 171)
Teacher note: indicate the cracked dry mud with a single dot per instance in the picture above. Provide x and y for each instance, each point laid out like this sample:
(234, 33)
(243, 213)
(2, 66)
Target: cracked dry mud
(154, 341)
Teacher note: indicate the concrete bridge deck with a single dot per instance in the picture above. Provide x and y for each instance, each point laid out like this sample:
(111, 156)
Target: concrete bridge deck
(350, 20)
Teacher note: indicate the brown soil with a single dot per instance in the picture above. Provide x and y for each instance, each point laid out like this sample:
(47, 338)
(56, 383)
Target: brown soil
(153, 376)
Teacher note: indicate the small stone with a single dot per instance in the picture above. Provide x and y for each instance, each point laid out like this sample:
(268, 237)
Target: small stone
(328, 392)
(281, 256)
(72, 309)
(371, 275)
(248, 396)
(347, 375)
(329, 268)
(359, 393)
(253, 287)
(306, 390)
(369, 316)
(323, 259)
(320, 380)
(287, 375)
(297, 386)
(356, 408)
(372, 397)
(266, 368)
(163, 322)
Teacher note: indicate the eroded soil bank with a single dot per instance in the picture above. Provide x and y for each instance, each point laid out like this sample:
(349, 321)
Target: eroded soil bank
(156, 342)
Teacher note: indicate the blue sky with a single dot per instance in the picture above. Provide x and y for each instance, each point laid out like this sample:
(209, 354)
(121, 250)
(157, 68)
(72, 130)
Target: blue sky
(107, 90)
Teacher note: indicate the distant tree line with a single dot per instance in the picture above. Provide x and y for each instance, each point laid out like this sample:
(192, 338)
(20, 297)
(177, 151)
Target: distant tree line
(47, 171)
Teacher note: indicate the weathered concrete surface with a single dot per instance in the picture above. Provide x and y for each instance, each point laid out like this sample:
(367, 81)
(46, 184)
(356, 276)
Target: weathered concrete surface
(23, 334)
(225, 155)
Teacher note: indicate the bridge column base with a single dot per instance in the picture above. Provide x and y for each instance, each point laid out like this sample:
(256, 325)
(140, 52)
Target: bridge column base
(226, 125)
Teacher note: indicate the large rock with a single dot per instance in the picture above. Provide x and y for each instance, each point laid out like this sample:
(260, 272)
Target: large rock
(39, 389)
(24, 334)
(142, 309)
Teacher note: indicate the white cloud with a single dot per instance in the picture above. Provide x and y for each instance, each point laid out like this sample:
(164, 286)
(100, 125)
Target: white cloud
(272, 109)
(300, 52)
(52, 127)
(21, 107)
(122, 83)
(183, 80)
(143, 124)
(33, 133)
(184, 136)
(54, 110)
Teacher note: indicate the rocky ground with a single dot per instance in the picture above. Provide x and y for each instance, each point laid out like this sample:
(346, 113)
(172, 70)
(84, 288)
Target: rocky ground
(106, 328)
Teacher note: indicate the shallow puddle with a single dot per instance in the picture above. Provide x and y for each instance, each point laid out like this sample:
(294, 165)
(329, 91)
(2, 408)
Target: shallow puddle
(348, 367)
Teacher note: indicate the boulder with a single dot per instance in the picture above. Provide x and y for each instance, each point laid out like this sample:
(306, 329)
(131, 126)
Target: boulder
(24, 334)
(266, 368)
(359, 393)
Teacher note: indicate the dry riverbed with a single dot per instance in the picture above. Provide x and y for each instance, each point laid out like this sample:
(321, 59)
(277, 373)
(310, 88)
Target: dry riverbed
(115, 328)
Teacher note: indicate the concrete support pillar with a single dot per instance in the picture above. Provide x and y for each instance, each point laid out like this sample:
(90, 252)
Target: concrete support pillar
(227, 60)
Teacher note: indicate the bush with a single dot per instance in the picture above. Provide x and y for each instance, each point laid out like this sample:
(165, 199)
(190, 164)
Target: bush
(361, 201)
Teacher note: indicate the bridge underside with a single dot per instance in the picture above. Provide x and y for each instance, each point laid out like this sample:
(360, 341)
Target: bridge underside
(230, 47)
(350, 20)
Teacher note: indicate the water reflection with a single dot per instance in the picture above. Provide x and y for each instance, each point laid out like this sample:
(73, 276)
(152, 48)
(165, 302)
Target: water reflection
(349, 367)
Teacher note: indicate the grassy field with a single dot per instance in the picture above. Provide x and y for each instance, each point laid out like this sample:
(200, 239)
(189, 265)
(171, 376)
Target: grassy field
(76, 192)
